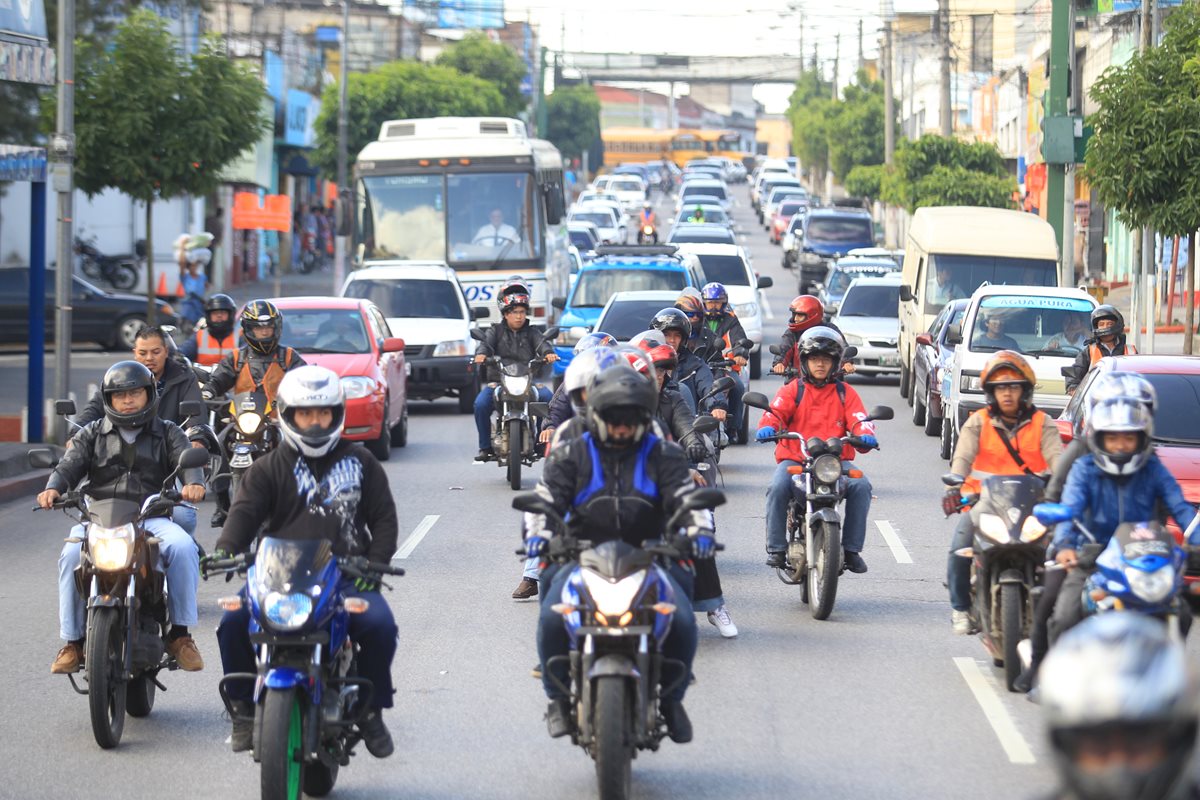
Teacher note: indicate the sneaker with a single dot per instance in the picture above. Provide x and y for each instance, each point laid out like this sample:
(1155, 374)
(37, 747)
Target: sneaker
(526, 589)
(185, 652)
(558, 718)
(961, 621)
(1024, 681)
(69, 659)
(777, 560)
(218, 518)
(854, 562)
(486, 454)
(679, 727)
(375, 734)
(536, 672)
(724, 623)
(241, 739)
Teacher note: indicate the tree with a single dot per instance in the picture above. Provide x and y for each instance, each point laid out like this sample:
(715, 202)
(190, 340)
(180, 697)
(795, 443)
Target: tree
(154, 123)
(938, 171)
(399, 90)
(573, 120)
(865, 181)
(855, 131)
(495, 63)
(809, 109)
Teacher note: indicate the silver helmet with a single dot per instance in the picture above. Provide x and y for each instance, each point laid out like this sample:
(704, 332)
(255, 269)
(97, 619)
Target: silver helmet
(1120, 415)
(311, 387)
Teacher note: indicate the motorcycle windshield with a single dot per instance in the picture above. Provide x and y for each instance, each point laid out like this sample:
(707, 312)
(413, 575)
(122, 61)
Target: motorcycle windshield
(1145, 545)
(112, 513)
(515, 369)
(1002, 492)
(290, 565)
(255, 402)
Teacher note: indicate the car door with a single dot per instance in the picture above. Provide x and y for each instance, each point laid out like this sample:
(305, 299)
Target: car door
(391, 365)
(926, 356)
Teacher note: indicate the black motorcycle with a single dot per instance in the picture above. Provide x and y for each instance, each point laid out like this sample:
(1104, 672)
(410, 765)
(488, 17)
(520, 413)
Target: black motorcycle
(618, 615)
(814, 527)
(120, 271)
(252, 434)
(127, 618)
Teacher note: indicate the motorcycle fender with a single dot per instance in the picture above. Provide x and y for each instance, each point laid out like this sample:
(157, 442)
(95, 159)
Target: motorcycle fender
(286, 678)
(514, 415)
(828, 515)
(1011, 576)
(539, 409)
(105, 601)
(614, 665)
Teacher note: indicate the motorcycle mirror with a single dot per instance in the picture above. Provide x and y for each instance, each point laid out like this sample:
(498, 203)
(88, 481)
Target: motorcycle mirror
(775, 350)
(191, 408)
(42, 458)
(550, 333)
(221, 483)
(533, 503)
(193, 458)
(1052, 513)
(746, 344)
(849, 353)
(702, 498)
(882, 412)
(477, 334)
(757, 400)
(64, 408)
(1067, 372)
(705, 423)
(722, 384)
(951, 479)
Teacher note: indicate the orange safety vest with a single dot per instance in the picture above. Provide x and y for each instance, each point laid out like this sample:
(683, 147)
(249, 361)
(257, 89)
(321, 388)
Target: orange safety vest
(271, 378)
(993, 457)
(210, 350)
(1095, 353)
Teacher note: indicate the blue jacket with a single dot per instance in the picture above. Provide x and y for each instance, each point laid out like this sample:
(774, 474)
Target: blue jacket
(1103, 502)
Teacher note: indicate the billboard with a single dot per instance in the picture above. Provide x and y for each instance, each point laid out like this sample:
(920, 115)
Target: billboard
(468, 14)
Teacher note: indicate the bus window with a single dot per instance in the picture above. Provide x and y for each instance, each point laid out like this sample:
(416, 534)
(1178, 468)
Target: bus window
(402, 216)
(492, 218)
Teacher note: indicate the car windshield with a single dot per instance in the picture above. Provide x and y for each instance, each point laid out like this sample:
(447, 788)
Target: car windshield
(582, 239)
(839, 230)
(712, 213)
(841, 278)
(779, 195)
(627, 318)
(1044, 326)
(790, 208)
(957, 277)
(702, 237)
(871, 301)
(726, 269)
(596, 286)
(1177, 408)
(625, 186)
(325, 330)
(714, 191)
(601, 219)
(410, 298)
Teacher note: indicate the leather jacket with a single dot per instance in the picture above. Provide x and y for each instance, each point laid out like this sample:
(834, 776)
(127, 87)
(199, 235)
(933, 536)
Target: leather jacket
(522, 345)
(178, 385)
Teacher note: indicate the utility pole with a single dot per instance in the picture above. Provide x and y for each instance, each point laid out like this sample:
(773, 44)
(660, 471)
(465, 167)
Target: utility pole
(837, 57)
(946, 118)
(802, 42)
(889, 102)
(343, 130)
(1061, 31)
(861, 59)
(63, 146)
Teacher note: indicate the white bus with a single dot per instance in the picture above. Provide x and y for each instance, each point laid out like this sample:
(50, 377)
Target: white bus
(474, 192)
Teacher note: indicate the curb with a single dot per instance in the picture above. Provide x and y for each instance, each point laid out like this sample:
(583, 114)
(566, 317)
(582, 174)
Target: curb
(22, 486)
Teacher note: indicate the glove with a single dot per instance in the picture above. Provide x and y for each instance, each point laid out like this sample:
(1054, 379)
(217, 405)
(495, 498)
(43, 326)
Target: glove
(952, 502)
(764, 433)
(206, 394)
(869, 441)
(365, 585)
(535, 546)
(704, 546)
(697, 452)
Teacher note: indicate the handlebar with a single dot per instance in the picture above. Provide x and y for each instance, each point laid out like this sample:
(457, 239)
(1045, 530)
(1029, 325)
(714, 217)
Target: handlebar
(65, 501)
(353, 566)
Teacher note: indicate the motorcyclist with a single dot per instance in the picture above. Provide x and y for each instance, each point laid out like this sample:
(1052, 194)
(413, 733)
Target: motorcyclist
(804, 312)
(560, 402)
(214, 340)
(821, 405)
(694, 376)
(618, 481)
(646, 218)
(127, 455)
(1010, 436)
(720, 318)
(1108, 339)
(261, 362)
(1120, 702)
(703, 342)
(317, 486)
(513, 340)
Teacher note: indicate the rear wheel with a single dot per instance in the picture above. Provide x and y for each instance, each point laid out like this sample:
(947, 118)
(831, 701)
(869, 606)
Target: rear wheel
(824, 564)
(124, 277)
(1010, 619)
(919, 409)
(400, 432)
(139, 696)
(281, 745)
(946, 443)
(516, 432)
(612, 722)
(933, 425)
(106, 662)
(905, 380)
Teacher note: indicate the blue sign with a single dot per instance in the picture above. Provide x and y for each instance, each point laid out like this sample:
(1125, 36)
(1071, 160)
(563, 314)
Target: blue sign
(327, 34)
(299, 116)
(26, 18)
(468, 14)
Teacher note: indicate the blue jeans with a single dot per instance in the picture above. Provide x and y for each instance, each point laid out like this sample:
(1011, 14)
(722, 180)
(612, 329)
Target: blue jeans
(958, 569)
(374, 630)
(736, 408)
(185, 518)
(179, 559)
(854, 521)
(553, 640)
(485, 404)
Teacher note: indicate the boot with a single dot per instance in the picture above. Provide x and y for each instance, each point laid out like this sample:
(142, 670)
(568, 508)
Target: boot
(375, 734)
(679, 727)
(242, 736)
(558, 718)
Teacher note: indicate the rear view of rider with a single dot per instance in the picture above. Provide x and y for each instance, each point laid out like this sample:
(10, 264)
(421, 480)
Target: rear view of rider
(215, 339)
(1108, 339)
(702, 341)
(1010, 420)
(261, 362)
(817, 405)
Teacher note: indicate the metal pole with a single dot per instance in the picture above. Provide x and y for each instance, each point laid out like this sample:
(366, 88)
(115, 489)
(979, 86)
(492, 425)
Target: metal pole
(1142, 252)
(1061, 29)
(837, 57)
(63, 145)
(946, 116)
(889, 101)
(1068, 206)
(339, 244)
(36, 391)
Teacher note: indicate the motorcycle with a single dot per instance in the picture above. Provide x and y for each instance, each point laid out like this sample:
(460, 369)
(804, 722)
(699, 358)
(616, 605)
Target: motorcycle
(814, 528)
(127, 619)
(1007, 555)
(252, 435)
(617, 607)
(647, 233)
(722, 367)
(120, 271)
(790, 373)
(308, 697)
(515, 425)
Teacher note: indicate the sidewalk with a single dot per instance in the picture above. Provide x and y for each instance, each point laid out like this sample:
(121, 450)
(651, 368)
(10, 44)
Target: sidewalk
(318, 283)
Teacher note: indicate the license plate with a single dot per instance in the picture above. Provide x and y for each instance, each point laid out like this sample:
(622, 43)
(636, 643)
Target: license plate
(240, 460)
(890, 360)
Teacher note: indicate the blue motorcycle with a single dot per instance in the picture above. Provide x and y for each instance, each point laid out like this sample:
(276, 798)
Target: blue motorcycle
(307, 695)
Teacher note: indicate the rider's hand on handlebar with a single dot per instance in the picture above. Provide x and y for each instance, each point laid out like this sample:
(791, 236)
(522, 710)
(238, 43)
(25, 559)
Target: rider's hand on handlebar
(719, 414)
(740, 361)
(546, 435)
(697, 452)
(193, 493)
(366, 585)
(764, 434)
(480, 358)
(869, 441)
(952, 501)
(551, 357)
(703, 544)
(1066, 558)
(778, 368)
(46, 499)
(848, 368)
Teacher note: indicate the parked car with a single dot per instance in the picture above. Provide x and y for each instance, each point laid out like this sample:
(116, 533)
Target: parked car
(846, 270)
(931, 363)
(627, 314)
(696, 232)
(828, 234)
(350, 336)
(784, 213)
(109, 319)
(424, 304)
(869, 319)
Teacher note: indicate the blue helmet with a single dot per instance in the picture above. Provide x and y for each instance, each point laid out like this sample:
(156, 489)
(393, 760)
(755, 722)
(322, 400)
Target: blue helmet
(715, 293)
(596, 339)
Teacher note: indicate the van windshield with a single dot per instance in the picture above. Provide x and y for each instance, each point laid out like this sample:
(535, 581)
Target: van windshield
(840, 230)
(957, 277)
(1042, 326)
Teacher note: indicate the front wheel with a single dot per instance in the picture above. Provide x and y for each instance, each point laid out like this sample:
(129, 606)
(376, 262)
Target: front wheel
(919, 409)
(381, 446)
(824, 564)
(106, 663)
(516, 447)
(1010, 619)
(612, 722)
(281, 745)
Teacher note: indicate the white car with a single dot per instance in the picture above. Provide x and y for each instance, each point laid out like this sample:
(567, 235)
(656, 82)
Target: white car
(703, 186)
(729, 265)
(629, 189)
(869, 319)
(623, 218)
(606, 220)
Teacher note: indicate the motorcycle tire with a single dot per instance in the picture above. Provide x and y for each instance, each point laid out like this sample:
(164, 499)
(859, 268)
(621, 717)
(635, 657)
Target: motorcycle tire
(612, 722)
(319, 778)
(281, 745)
(1011, 606)
(91, 269)
(124, 277)
(824, 564)
(516, 446)
(139, 696)
(105, 659)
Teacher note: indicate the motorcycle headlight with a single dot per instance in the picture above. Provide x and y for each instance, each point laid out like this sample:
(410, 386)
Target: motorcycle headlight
(857, 341)
(827, 468)
(1153, 587)
(454, 347)
(746, 310)
(516, 384)
(111, 549)
(994, 528)
(1032, 530)
(287, 611)
(970, 383)
(358, 386)
(248, 422)
(613, 599)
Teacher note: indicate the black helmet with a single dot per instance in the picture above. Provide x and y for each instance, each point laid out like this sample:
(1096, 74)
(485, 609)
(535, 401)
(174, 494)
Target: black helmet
(1107, 312)
(122, 377)
(672, 319)
(514, 293)
(620, 394)
(220, 302)
(261, 314)
(823, 341)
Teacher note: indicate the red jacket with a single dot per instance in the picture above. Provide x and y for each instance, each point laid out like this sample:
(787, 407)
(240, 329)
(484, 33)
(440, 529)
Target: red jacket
(820, 413)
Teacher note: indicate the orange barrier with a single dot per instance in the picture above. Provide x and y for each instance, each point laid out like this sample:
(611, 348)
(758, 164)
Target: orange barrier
(275, 214)
(161, 290)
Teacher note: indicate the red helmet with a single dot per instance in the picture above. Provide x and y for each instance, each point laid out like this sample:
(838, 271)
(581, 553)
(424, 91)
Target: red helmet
(810, 308)
(663, 357)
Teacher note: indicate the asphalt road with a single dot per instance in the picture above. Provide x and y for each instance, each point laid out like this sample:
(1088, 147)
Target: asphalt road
(880, 701)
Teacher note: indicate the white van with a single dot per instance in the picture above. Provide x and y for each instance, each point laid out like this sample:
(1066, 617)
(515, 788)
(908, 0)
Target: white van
(953, 250)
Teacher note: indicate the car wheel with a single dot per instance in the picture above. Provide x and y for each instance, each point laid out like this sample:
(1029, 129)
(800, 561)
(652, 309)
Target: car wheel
(905, 380)
(918, 408)
(933, 425)
(125, 332)
(947, 438)
(381, 447)
(400, 431)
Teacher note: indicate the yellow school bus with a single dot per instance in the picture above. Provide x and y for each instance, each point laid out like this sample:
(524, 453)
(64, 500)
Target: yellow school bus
(635, 145)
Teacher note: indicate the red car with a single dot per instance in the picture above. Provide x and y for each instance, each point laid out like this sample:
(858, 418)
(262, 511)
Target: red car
(351, 337)
(782, 216)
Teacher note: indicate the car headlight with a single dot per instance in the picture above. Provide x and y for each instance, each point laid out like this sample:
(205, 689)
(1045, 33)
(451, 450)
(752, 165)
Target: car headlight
(811, 258)
(827, 468)
(1032, 530)
(1153, 587)
(287, 611)
(248, 422)
(453, 347)
(970, 383)
(857, 341)
(357, 386)
(746, 310)
(613, 599)
(111, 548)
(994, 528)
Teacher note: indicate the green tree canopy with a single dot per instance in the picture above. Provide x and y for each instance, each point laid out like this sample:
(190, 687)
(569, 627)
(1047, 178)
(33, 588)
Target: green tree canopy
(936, 171)
(399, 90)
(855, 132)
(573, 120)
(495, 63)
(865, 181)
(809, 110)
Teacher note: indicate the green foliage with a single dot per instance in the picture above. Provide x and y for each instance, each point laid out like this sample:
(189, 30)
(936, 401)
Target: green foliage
(496, 63)
(1144, 158)
(865, 181)
(153, 123)
(399, 90)
(936, 171)
(856, 129)
(573, 120)
(809, 109)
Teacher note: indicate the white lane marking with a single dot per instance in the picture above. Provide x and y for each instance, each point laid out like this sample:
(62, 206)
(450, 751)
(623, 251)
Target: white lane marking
(416, 536)
(1010, 738)
(893, 541)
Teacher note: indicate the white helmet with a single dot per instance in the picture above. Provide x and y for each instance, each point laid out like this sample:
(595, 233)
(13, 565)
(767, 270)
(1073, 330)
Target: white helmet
(580, 372)
(311, 387)
(1120, 415)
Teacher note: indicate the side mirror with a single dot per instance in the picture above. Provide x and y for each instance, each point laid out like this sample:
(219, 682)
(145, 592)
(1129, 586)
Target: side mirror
(550, 333)
(952, 479)
(64, 408)
(42, 458)
(533, 503)
(479, 312)
(765, 282)
(850, 352)
(191, 408)
(393, 344)
(757, 400)
(954, 334)
(539, 409)
(477, 334)
(723, 384)
(775, 350)
(925, 339)
(1052, 513)
(705, 423)
(1067, 372)
(746, 344)
(906, 294)
(702, 498)
(558, 302)
(193, 458)
(882, 413)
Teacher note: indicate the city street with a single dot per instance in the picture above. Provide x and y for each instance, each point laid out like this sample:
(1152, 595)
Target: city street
(880, 701)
